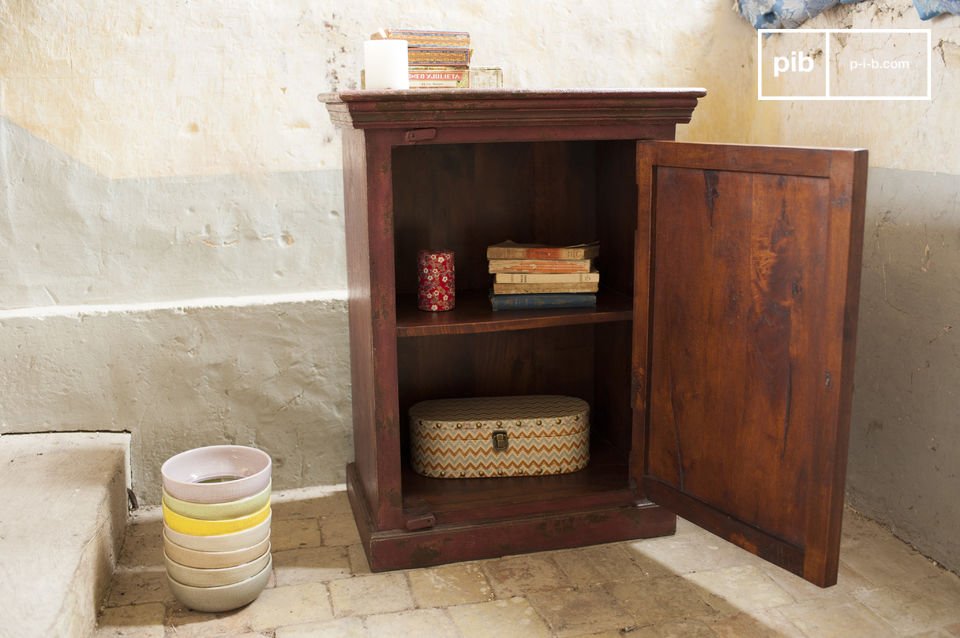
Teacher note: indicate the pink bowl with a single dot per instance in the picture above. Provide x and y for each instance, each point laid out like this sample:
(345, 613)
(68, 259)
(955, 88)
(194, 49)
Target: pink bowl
(216, 473)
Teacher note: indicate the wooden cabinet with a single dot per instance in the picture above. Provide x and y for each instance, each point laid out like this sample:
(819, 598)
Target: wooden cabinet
(717, 363)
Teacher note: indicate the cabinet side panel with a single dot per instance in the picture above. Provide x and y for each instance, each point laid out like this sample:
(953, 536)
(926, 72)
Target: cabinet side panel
(370, 272)
(361, 326)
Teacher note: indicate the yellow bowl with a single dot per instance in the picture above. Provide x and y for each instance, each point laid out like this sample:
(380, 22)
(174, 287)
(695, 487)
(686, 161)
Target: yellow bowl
(218, 511)
(199, 527)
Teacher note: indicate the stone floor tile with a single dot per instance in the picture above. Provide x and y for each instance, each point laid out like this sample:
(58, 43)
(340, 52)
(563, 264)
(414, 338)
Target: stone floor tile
(132, 621)
(310, 565)
(295, 534)
(857, 528)
(758, 623)
(339, 529)
(953, 630)
(673, 629)
(520, 575)
(315, 507)
(434, 623)
(275, 607)
(587, 566)
(692, 552)
(510, 617)
(571, 612)
(659, 600)
(448, 585)
(358, 560)
(820, 619)
(744, 587)
(886, 561)
(339, 628)
(142, 551)
(610, 633)
(374, 594)
(913, 607)
(135, 586)
(848, 581)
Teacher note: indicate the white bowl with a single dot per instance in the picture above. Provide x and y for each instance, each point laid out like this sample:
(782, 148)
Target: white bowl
(218, 577)
(225, 597)
(216, 473)
(219, 511)
(214, 560)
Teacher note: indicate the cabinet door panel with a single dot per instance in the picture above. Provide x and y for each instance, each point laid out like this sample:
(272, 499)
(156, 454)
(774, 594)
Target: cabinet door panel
(745, 350)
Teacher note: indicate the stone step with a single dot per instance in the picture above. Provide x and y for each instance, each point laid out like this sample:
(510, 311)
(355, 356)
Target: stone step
(63, 509)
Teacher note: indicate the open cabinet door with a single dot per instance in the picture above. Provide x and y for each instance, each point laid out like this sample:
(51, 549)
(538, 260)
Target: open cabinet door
(746, 294)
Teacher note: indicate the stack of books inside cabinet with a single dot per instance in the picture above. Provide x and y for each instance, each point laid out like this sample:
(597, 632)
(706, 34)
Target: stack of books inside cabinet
(535, 276)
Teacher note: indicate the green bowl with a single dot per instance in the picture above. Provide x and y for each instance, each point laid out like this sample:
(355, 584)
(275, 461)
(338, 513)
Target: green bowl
(219, 511)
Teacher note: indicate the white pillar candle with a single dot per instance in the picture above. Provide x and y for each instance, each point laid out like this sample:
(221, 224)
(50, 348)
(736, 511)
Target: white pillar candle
(385, 64)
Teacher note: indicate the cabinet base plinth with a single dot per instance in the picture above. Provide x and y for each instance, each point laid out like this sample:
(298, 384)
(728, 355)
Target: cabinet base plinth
(401, 549)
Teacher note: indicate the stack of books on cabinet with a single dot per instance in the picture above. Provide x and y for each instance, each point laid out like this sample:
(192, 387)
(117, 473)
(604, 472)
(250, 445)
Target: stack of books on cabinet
(441, 60)
(437, 59)
(535, 276)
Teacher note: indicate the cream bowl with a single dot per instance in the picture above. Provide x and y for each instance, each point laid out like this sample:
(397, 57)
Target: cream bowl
(225, 597)
(213, 560)
(216, 473)
(219, 511)
(215, 577)
(221, 542)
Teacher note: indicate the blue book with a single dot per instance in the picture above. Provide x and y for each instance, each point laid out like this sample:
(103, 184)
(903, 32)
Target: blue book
(543, 301)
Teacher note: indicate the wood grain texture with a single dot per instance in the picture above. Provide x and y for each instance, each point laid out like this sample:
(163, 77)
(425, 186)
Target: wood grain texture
(751, 299)
(474, 315)
(491, 539)
(618, 111)
(370, 280)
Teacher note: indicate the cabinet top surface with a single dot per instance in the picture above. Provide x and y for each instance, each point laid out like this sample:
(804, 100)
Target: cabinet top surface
(461, 95)
(510, 107)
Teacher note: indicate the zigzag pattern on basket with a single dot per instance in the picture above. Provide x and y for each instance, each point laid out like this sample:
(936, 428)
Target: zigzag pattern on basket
(474, 458)
(477, 468)
(547, 449)
(474, 435)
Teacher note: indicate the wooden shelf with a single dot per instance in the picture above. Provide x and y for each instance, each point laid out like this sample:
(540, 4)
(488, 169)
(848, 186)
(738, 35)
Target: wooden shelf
(473, 314)
(603, 483)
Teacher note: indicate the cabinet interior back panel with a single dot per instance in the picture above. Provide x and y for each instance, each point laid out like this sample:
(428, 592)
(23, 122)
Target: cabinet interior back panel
(467, 196)
(738, 369)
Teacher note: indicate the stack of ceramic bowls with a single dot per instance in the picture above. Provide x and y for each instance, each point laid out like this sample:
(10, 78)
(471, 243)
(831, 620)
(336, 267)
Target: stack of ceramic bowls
(216, 526)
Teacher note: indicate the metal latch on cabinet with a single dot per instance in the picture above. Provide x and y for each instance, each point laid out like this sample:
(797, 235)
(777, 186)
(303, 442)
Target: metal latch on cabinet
(500, 441)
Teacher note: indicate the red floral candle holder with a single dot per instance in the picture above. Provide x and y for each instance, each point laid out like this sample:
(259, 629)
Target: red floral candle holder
(437, 290)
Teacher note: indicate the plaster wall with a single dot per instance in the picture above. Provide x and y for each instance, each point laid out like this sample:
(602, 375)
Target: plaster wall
(273, 375)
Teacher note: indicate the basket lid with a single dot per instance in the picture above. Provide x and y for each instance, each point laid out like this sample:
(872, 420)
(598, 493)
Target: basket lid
(540, 406)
